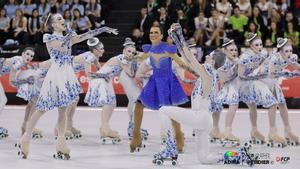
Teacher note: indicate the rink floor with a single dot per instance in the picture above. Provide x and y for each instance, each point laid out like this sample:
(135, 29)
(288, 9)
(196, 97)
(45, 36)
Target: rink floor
(89, 153)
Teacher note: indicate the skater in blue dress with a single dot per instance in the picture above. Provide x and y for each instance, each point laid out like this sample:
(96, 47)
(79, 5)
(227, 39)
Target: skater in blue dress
(163, 87)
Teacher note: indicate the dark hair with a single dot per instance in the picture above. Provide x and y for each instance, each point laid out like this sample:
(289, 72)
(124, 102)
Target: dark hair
(37, 20)
(76, 9)
(5, 15)
(160, 28)
(219, 58)
(28, 48)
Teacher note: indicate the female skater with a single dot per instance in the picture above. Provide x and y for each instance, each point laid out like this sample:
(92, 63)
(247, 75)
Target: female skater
(82, 62)
(199, 119)
(101, 93)
(12, 66)
(229, 93)
(60, 87)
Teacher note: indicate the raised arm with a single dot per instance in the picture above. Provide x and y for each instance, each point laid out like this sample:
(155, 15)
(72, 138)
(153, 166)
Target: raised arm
(79, 38)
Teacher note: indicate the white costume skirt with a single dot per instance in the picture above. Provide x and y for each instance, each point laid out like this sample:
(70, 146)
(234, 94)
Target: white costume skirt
(60, 87)
(229, 93)
(257, 92)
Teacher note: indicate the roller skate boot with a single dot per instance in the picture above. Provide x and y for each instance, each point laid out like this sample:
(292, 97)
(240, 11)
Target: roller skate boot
(136, 143)
(3, 132)
(23, 146)
(76, 133)
(144, 132)
(170, 152)
(292, 139)
(109, 134)
(68, 134)
(230, 139)
(37, 134)
(256, 138)
(62, 150)
(275, 140)
(216, 136)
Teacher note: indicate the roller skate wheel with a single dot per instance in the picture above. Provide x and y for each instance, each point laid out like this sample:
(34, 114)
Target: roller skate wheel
(158, 162)
(194, 134)
(174, 162)
(292, 143)
(279, 145)
(270, 144)
(211, 140)
(145, 138)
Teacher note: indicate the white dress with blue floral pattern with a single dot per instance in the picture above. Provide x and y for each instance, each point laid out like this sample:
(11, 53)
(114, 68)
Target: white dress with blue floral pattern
(197, 94)
(89, 58)
(229, 93)
(28, 91)
(60, 87)
(101, 92)
(278, 65)
(254, 91)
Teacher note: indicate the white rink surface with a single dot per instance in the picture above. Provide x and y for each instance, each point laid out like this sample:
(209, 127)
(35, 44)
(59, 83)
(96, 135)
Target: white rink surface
(89, 153)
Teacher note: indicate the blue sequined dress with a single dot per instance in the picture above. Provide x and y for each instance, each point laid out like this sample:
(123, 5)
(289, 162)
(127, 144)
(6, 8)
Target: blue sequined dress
(60, 87)
(163, 87)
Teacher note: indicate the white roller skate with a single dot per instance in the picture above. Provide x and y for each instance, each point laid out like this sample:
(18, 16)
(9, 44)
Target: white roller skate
(256, 138)
(169, 153)
(230, 139)
(23, 146)
(62, 150)
(291, 138)
(76, 133)
(37, 134)
(275, 140)
(242, 156)
(216, 136)
(68, 134)
(144, 132)
(3, 132)
(109, 135)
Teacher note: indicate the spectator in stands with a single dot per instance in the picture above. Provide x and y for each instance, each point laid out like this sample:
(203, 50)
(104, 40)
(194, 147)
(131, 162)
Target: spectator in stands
(258, 20)
(190, 11)
(245, 7)
(273, 32)
(44, 8)
(68, 18)
(274, 17)
(53, 6)
(270, 47)
(152, 8)
(11, 8)
(80, 23)
(4, 26)
(292, 34)
(77, 5)
(62, 6)
(237, 23)
(93, 11)
(27, 8)
(143, 22)
(170, 7)
(289, 17)
(224, 8)
(265, 9)
(19, 27)
(201, 26)
(137, 38)
(164, 20)
(253, 29)
(215, 28)
(209, 6)
(182, 20)
(35, 28)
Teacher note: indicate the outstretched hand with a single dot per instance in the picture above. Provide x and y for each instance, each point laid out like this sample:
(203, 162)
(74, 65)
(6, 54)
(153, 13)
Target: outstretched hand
(112, 31)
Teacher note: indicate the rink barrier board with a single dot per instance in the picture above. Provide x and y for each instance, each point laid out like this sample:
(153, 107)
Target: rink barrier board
(289, 86)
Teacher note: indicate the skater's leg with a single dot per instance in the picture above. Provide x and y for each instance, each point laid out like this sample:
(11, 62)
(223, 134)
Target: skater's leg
(25, 139)
(3, 98)
(228, 123)
(273, 135)
(138, 117)
(179, 136)
(203, 148)
(215, 131)
(255, 134)
(29, 110)
(70, 114)
(61, 141)
(105, 130)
